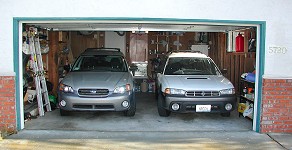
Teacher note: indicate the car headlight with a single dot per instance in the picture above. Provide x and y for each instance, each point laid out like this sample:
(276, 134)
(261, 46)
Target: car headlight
(227, 91)
(122, 89)
(174, 91)
(66, 88)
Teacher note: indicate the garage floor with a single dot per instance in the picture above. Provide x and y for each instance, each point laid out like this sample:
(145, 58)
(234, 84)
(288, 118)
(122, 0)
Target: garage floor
(146, 119)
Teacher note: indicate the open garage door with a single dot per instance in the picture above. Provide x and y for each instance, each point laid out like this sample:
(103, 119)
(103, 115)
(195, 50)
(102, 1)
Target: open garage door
(67, 39)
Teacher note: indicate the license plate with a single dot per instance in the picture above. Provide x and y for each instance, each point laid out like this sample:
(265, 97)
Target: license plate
(203, 108)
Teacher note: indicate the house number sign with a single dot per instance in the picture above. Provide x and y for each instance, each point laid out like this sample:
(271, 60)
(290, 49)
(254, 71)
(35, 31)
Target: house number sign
(277, 50)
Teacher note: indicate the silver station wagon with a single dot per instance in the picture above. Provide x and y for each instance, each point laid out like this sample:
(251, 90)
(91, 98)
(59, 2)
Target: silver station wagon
(99, 80)
(191, 82)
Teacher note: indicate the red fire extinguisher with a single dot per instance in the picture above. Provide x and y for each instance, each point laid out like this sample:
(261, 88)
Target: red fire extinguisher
(239, 45)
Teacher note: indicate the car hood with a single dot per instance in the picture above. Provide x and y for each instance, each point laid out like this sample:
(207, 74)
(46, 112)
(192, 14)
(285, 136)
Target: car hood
(102, 80)
(197, 82)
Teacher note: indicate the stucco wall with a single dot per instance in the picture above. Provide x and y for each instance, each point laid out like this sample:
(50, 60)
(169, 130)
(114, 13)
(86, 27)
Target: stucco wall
(274, 12)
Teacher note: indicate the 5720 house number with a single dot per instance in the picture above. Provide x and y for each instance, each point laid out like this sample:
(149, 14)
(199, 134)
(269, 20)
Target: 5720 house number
(277, 50)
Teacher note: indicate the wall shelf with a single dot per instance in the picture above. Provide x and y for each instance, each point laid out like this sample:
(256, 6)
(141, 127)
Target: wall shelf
(246, 97)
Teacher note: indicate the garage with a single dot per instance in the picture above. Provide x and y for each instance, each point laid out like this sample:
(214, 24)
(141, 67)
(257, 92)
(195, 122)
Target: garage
(142, 43)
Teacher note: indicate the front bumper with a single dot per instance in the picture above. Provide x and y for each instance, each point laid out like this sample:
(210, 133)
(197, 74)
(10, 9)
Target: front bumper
(112, 102)
(189, 104)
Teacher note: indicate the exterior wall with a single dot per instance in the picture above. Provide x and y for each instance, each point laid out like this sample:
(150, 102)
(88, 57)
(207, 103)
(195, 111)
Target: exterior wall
(273, 12)
(7, 105)
(277, 106)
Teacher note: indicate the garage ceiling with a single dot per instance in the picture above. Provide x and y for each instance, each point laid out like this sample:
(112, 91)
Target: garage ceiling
(91, 26)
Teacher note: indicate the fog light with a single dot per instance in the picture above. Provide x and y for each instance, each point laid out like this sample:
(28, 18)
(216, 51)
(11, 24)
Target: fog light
(125, 104)
(228, 106)
(175, 106)
(63, 103)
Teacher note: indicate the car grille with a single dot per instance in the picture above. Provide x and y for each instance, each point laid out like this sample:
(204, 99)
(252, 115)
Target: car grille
(94, 107)
(93, 92)
(202, 93)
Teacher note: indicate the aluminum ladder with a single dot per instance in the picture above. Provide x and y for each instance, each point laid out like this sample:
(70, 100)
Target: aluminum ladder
(39, 73)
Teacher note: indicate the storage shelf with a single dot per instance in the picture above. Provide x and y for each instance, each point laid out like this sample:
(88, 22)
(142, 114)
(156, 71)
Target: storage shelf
(242, 97)
(247, 81)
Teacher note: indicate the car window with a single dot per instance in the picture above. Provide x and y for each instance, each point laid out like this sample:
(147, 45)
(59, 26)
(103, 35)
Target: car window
(100, 63)
(190, 66)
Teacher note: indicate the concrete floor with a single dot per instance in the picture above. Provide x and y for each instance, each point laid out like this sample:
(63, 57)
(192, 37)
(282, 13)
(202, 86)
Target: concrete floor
(146, 119)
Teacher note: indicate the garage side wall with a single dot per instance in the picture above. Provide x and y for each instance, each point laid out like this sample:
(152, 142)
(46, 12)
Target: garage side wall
(276, 106)
(7, 105)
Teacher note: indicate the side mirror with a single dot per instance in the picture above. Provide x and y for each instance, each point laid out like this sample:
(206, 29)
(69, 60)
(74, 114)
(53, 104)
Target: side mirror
(224, 71)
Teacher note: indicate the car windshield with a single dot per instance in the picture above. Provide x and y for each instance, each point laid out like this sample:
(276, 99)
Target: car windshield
(190, 66)
(100, 63)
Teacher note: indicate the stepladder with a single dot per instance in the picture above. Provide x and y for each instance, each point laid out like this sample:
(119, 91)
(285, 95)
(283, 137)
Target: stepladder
(39, 72)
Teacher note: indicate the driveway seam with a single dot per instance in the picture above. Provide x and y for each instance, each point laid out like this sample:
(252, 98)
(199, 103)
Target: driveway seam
(277, 142)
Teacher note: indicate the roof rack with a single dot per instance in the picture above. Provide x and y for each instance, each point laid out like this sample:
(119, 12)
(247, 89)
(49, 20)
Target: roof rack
(102, 48)
(192, 51)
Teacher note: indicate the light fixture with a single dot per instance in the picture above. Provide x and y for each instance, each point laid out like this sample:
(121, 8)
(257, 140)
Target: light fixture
(175, 106)
(125, 104)
(228, 106)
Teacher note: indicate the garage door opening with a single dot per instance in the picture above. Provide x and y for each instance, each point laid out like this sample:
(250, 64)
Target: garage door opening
(142, 43)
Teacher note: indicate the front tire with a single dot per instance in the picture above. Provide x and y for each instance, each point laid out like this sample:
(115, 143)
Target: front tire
(161, 111)
(132, 110)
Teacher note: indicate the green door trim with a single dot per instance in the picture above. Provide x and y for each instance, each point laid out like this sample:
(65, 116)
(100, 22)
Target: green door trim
(17, 21)
(16, 70)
